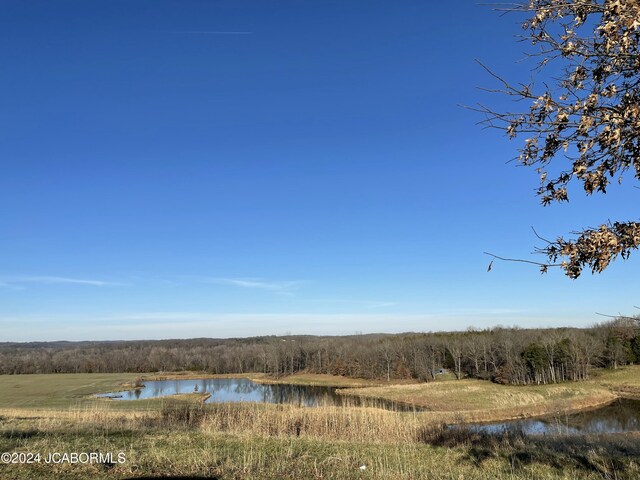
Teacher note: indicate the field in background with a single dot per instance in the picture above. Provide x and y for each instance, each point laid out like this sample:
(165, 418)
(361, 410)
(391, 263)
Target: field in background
(482, 401)
(76, 390)
(471, 400)
(625, 382)
(446, 399)
(58, 391)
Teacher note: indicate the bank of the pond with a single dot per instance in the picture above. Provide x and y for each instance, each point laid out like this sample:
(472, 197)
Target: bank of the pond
(310, 379)
(468, 401)
(232, 390)
(619, 416)
(453, 401)
(624, 382)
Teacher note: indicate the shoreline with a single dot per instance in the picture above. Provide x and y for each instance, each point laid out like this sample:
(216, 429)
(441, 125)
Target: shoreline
(442, 401)
(352, 388)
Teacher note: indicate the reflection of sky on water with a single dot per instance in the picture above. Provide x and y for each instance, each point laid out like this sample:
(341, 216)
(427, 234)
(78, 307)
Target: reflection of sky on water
(221, 390)
(233, 390)
(244, 390)
(619, 417)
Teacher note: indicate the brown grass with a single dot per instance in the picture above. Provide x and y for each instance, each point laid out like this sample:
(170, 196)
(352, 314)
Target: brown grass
(246, 419)
(625, 382)
(481, 401)
(447, 400)
(237, 441)
(321, 380)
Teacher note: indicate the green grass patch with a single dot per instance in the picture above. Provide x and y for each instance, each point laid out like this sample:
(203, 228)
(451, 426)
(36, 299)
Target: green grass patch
(58, 391)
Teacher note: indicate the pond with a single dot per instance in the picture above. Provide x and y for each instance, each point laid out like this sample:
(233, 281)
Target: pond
(618, 417)
(245, 390)
(621, 416)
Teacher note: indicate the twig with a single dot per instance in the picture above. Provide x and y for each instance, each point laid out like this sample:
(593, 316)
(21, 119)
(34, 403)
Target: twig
(622, 317)
(541, 238)
(523, 261)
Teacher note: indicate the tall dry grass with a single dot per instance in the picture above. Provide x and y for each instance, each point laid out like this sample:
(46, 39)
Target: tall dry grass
(345, 423)
(282, 441)
(348, 423)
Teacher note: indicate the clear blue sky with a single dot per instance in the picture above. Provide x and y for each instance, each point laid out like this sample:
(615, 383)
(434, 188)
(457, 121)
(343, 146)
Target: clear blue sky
(233, 168)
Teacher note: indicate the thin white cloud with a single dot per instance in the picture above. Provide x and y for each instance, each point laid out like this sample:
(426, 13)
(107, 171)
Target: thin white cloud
(216, 32)
(356, 303)
(280, 288)
(159, 317)
(17, 281)
(480, 311)
(381, 304)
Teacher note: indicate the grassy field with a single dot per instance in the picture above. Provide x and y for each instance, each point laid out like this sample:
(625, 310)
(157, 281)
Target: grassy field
(188, 440)
(318, 380)
(625, 382)
(478, 400)
(182, 436)
(75, 390)
(444, 400)
(57, 391)
(311, 379)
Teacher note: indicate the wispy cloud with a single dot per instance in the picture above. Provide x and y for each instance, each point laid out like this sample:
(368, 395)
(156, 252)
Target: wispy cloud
(381, 304)
(479, 311)
(159, 317)
(280, 288)
(355, 303)
(19, 280)
(215, 32)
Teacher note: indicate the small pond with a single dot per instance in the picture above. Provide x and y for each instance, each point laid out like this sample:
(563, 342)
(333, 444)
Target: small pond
(621, 416)
(244, 390)
(618, 417)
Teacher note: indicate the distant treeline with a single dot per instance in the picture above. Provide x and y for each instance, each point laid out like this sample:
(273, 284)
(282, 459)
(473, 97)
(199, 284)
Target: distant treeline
(504, 355)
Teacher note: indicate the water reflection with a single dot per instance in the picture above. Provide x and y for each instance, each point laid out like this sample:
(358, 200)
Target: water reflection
(620, 416)
(244, 390)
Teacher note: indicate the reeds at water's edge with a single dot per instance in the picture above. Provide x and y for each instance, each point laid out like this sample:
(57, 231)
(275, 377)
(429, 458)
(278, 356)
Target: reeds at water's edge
(251, 440)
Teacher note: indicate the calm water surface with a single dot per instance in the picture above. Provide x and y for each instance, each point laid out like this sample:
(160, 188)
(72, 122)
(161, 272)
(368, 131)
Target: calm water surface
(621, 416)
(244, 390)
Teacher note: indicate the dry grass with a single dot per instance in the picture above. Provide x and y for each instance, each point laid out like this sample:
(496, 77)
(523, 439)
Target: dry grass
(326, 423)
(183, 436)
(245, 419)
(270, 442)
(319, 380)
(448, 400)
(57, 391)
(478, 400)
(625, 382)
(312, 379)
(189, 375)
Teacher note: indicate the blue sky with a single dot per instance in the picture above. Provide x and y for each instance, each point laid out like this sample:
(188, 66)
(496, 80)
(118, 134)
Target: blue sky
(236, 168)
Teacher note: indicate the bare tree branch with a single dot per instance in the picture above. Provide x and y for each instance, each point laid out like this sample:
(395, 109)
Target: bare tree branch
(582, 125)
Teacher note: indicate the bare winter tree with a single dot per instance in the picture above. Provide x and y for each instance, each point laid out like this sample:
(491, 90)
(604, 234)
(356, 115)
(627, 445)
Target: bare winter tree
(582, 127)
